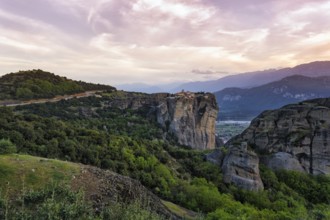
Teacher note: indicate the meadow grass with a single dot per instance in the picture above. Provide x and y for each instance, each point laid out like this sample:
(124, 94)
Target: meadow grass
(24, 171)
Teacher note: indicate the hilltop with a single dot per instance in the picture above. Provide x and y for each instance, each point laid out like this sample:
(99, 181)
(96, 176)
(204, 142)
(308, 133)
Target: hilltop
(35, 84)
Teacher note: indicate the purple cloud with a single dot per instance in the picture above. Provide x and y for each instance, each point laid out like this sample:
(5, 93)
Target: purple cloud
(160, 40)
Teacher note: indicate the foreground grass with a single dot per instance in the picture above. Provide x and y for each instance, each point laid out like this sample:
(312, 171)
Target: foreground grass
(24, 171)
(37, 188)
(182, 212)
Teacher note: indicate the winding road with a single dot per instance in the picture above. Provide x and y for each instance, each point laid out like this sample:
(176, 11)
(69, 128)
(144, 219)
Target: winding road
(13, 103)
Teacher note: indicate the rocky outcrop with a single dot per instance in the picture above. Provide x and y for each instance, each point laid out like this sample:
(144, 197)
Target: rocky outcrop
(295, 137)
(241, 167)
(188, 117)
(282, 160)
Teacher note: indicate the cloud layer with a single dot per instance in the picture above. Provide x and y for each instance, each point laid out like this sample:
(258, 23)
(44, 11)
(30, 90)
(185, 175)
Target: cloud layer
(160, 41)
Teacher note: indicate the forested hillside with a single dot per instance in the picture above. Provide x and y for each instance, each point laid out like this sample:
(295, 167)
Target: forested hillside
(34, 84)
(130, 143)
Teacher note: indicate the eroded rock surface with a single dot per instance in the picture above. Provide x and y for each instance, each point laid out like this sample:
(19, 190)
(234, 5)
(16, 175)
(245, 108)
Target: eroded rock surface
(189, 117)
(282, 160)
(295, 137)
(241, 167)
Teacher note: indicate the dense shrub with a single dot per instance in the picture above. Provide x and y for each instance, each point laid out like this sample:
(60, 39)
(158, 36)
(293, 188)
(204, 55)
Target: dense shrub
(60, 202)
(7, 147)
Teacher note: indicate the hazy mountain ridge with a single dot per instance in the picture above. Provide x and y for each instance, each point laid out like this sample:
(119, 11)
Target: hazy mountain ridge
(253, 79)
(248, 103)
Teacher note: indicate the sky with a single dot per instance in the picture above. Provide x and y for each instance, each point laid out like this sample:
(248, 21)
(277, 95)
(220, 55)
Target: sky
(160, 41)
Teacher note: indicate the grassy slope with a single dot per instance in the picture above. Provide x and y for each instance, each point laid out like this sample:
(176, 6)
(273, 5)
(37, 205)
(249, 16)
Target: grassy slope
(31, 172)
(18, 172)
(180, 211)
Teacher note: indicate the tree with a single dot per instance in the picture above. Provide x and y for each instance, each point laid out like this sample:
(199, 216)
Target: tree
(24, 93)
(7, 147)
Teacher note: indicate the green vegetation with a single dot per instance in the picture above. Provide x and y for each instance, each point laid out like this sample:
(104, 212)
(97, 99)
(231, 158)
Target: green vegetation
(129, 142)
(32, 172)
(315, 189)
(39, 188)
(7, 147)
(182, 212)
(60, 202)
(35, 84)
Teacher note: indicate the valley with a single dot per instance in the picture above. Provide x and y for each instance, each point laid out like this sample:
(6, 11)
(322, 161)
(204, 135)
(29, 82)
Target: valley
(226, 130)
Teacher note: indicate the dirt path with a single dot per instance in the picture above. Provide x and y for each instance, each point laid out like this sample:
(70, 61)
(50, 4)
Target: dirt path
(13, 103)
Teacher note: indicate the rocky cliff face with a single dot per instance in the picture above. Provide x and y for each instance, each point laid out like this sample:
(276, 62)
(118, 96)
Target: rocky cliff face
(189, 117)
(295, 137)
(241, 167)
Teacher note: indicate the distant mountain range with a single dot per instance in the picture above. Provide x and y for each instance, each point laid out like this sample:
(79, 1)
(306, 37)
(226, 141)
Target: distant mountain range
(239, 104)
(147, 88)
(253, 79)
(140, 87)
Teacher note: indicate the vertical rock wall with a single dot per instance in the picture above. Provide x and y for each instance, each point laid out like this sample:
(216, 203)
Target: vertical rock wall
(190, 117)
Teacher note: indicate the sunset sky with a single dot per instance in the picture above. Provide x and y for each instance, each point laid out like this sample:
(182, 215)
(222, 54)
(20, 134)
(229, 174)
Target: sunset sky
(160, 41)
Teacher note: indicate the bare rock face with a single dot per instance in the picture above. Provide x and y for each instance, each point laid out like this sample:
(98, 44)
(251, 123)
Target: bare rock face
(241, 168)
(295, 137)
(282, 160)
(190, 118)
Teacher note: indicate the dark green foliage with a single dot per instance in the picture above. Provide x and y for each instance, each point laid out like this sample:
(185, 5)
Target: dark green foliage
(130, 142)
(315, 189)
(7, 147)
(60, 202)
(40, 84)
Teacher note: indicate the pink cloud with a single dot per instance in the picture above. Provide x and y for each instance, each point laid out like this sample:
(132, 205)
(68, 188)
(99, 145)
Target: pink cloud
(161, 39)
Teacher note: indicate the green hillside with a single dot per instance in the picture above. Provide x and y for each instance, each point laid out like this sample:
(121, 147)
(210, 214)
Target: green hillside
(130, 143)
(40, 188)
(18, 171)
(35, 84)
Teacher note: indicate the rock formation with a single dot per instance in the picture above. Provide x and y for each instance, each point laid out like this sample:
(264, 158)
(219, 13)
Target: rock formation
(295, 137)
(188, 117)
(241, 167)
